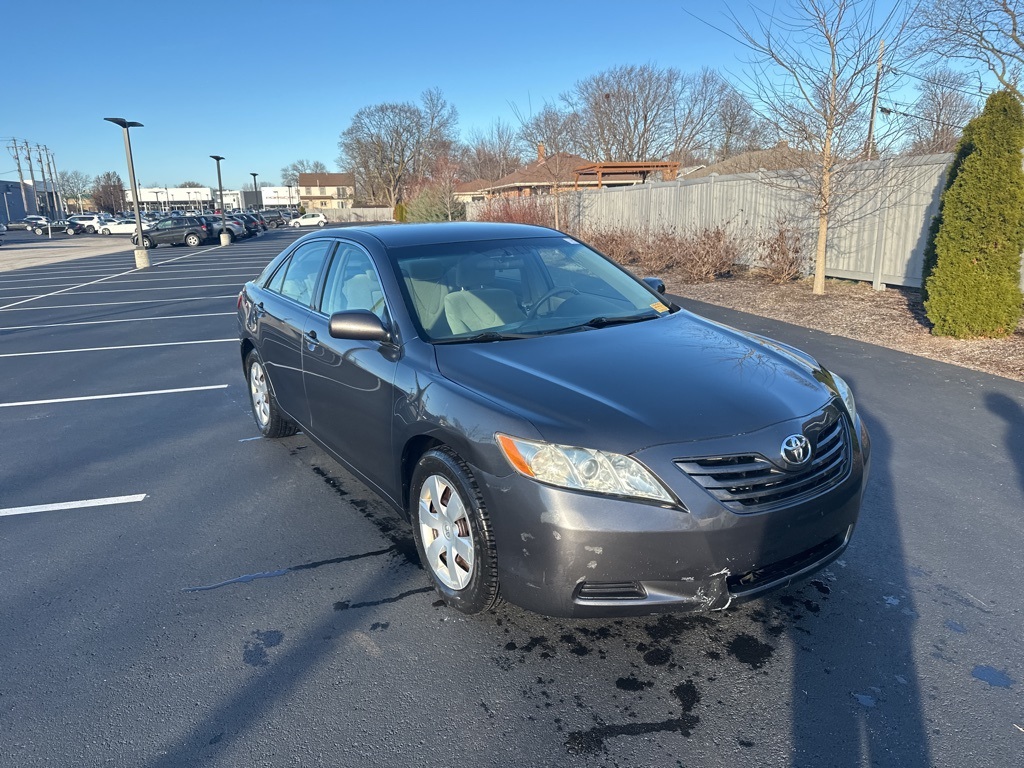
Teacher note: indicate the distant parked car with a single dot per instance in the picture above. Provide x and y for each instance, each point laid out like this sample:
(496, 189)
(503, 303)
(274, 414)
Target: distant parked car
(177, 230)
(309, 220)
(252, 225)
(274, 219)
(235, 228)
(33, 221)
(93, 223)
(122, 227)
(67, 227)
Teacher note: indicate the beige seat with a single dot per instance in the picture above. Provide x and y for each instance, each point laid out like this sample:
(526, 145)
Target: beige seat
(363, 292)
(478, 306)
(428, 291)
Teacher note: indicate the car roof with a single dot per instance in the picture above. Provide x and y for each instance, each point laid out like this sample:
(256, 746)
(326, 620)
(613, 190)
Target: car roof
(401, 235)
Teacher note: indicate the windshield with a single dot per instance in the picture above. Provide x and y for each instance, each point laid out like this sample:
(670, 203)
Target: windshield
(506, 289)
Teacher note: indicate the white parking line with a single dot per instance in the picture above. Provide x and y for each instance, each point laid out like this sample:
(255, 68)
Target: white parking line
(104, 322)
(112, 397)
(126, 346)
(115, 303)
(72, 505)
(100, 280)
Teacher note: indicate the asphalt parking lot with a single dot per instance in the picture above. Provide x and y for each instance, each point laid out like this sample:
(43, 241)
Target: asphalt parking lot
(178, 591)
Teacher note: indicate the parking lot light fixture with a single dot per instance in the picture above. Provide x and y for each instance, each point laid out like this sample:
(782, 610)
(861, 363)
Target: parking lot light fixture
(225, 236)
(256, 190)
(141, 254)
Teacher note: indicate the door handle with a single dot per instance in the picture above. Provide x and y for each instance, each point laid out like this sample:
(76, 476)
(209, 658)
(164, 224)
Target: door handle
(311, 335)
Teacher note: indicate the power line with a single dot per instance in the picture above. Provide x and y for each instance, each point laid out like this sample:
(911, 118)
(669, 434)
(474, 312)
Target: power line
(947, 86)
(889, 111)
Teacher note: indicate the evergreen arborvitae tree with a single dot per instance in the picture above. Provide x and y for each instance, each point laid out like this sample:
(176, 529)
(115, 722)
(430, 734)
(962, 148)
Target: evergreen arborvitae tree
(974, 287)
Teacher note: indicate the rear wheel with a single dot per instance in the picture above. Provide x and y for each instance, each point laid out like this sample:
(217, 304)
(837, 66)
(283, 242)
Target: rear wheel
(105, 231)
(269, 419)
(192, 241)
(147, 242)
(296, 225)
(91, 229)
(70, 230)
(453, 532)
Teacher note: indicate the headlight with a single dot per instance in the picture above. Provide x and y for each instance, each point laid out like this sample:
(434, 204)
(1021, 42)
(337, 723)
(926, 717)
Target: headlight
(847, 394)
(581, 468)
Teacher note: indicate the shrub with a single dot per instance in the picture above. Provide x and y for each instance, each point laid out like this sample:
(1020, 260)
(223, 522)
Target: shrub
(780, 257)
(399, 214)
(518, 210)
(974, 288)
(694, 257)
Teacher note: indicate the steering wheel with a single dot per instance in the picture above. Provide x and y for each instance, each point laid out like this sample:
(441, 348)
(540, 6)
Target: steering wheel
(547, 297)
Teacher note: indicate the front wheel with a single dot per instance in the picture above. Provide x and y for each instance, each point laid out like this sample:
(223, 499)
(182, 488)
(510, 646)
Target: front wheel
(192, 241)
(38, 230)
(453, 532)
(70, 230)
(296, 225)
(91, 229)
(105, 231)
(269, 419)
(147, 243)
(321, 223)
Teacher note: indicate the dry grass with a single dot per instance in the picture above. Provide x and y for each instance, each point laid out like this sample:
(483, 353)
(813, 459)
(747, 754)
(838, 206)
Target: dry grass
(892, 318)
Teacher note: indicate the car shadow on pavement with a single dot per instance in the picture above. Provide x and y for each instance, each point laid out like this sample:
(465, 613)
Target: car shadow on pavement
(856, 696)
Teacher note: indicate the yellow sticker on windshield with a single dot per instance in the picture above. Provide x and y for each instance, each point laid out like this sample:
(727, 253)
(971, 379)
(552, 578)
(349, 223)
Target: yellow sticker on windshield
(659, 307)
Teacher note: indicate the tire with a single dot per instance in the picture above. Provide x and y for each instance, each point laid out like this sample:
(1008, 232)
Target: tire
(105, 231)
(193, 241)
(90, 229)
(269, 419)
(38, 230)
(321, 224)
(147, 243)
(451, 525)
(296, 225)
(70, 230)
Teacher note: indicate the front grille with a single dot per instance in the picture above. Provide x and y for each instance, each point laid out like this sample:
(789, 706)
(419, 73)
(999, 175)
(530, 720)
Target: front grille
(750, 483)
(611, 590)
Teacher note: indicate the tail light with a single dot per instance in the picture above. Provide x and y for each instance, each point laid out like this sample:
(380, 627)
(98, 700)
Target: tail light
(241, 293)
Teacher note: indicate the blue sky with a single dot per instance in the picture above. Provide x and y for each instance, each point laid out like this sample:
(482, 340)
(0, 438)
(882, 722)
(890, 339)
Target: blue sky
(266, 83)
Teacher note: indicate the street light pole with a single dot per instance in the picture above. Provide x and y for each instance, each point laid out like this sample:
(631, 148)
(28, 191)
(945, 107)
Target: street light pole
(225, 236)
(141, 254)
(255, 190)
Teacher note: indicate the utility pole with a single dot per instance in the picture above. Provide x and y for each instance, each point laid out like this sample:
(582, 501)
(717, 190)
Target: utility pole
(46, 186)
(16, 153)
(32, 175)
(874, 102)
(53, 175)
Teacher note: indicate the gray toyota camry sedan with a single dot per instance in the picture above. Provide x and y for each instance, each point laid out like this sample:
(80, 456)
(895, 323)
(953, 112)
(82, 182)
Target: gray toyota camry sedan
(557, 432)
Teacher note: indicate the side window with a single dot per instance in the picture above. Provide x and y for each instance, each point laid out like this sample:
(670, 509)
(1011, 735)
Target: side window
(277, 280)
(303, 269)
(352, 283)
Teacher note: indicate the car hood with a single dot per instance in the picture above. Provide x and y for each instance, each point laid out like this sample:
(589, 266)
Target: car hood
(675, 379)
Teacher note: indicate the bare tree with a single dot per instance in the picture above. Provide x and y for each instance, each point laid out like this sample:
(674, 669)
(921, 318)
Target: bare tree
(391, 146)
(74, 184)
(941, 111)
(190, 185)
(108, 192)
(985, 33)
(814, 73)
(290, 173)
(737, 128)
(434, 198)
(696, 105)
(553, 128)
(491, 154)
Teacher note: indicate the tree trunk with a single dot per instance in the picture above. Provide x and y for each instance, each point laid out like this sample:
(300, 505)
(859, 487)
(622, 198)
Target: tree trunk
(819, 255)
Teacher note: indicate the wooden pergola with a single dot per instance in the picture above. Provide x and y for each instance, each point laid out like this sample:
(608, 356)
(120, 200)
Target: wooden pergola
(638, 171)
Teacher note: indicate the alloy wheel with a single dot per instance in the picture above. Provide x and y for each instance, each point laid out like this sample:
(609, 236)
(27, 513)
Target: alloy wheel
(260, 393)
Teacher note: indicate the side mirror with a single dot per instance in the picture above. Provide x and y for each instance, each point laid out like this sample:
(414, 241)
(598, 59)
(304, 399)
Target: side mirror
(656, 283)
(360, 324)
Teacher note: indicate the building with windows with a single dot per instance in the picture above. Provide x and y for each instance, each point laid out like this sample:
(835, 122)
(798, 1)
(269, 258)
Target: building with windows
(317, 191)
(175, 198)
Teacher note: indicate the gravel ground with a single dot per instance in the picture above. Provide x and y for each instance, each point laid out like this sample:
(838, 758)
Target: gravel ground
(891, 318)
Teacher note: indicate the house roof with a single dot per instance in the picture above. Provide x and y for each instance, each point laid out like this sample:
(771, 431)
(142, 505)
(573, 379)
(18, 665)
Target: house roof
(327, 180)
(468, 187)
(560, 167)
(778, 158)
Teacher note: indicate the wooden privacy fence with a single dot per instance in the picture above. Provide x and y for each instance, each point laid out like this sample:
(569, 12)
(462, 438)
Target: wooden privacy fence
(879, 226)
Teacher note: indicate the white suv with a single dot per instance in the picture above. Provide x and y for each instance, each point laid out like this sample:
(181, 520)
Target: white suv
(93, 223)
(309, 220)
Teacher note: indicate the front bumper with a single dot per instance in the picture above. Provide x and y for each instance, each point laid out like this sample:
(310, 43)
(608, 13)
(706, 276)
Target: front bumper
(564, 553)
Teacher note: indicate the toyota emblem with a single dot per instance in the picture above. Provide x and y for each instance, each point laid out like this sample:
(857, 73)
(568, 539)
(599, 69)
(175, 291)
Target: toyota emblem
(796, 450)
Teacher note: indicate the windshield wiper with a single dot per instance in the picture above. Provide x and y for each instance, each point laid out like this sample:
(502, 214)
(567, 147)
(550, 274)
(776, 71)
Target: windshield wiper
(487, 336)
(603, 321)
